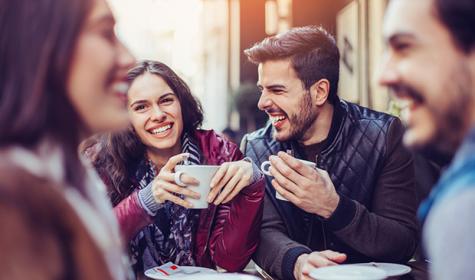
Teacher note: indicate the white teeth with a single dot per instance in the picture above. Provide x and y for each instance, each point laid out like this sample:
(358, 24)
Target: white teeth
(121, 87)
(276, 118)
(161, 129)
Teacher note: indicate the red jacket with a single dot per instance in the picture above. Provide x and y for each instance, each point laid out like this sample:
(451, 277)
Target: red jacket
(227, 234)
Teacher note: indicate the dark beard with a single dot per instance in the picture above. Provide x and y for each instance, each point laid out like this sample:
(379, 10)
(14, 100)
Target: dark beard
(451, 120)
(301, 122)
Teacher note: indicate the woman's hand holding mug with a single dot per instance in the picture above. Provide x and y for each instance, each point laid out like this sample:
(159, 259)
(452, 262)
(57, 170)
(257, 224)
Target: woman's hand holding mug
(230, 179)
(166, 185)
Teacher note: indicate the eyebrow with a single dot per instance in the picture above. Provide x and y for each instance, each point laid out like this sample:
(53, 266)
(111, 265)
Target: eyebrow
(394, 38)
(143, 101)
(272, 87)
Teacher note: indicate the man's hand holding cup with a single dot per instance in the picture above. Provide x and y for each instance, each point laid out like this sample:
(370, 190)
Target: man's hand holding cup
(309, 188)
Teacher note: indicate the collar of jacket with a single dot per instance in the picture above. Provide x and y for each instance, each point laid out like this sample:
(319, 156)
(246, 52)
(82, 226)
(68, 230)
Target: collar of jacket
(458, 177)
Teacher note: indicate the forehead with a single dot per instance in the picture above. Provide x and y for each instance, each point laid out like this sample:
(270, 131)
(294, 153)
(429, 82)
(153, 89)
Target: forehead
(272, 71)
(414, 17)
(148, 85)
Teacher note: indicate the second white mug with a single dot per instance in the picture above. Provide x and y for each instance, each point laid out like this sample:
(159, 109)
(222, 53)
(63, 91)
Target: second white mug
(265, 169)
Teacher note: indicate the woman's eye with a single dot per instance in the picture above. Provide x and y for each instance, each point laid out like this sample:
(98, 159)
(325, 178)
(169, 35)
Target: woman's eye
(109, 35)
(166, 101)
(139, 108)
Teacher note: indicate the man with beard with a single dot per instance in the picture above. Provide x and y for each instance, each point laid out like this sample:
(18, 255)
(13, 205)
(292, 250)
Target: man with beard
(361, 199)
(430, 66)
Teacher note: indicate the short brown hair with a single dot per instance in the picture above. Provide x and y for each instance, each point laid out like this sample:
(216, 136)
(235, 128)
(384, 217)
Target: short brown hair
(312, 51)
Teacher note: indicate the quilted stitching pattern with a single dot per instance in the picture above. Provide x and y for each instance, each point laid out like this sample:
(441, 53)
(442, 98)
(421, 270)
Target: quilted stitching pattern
(352, 161)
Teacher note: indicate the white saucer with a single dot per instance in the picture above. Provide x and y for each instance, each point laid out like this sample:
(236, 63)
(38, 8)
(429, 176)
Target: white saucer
(348, 272)
(221, 276)
(391, 269)
(186, 271)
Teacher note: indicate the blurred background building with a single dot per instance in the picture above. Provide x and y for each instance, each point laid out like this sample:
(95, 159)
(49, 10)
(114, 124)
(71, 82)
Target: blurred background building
(203, 41)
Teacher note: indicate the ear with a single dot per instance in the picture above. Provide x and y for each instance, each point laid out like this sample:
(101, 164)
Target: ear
(320, 91)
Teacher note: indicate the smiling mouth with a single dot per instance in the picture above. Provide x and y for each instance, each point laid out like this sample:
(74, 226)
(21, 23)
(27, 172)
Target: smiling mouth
(121, 88)
(160, 131)
(277, 120)
(402, 92)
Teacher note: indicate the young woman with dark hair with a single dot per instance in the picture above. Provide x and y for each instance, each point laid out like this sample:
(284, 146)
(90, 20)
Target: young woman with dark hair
(138, 166)
(62, 78)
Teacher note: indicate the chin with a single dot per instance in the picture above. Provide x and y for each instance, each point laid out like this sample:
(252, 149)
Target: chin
(280, 136)
(165, 144)
(415, 140)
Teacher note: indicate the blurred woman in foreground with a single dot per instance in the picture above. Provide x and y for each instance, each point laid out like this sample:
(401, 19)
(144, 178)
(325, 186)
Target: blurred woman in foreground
(62, 78)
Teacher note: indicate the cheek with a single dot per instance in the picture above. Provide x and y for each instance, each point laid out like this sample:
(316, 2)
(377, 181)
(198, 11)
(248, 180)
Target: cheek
(282, 104)
(137, 122)
(89, 72)
(178, 117)
(93, 62)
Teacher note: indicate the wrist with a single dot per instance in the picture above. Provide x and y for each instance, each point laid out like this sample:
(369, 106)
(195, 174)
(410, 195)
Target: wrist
(332, 205)
(256, 172)
(148, 201)
(299, 264)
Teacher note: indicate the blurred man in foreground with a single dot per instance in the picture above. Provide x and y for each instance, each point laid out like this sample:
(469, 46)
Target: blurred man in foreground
(430, 66)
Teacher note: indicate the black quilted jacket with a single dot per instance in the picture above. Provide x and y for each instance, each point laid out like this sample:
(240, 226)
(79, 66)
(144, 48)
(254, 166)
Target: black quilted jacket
(374, 175)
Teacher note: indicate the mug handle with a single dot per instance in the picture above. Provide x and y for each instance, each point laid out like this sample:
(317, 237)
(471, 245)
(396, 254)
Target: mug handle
(264, 169)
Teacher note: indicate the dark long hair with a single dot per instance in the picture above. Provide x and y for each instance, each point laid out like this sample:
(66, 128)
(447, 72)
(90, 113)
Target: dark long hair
(116, 155)
(37, 42)
(312, 52)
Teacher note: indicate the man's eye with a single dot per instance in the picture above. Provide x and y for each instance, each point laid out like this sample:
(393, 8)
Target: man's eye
(401, 46)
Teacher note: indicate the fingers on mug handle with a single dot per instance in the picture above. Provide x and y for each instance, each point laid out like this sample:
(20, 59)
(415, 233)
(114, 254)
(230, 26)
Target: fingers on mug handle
(265, 168)
(177, 179)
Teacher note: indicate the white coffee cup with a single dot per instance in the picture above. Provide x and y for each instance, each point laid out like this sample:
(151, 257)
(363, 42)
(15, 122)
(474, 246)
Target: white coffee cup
(204, 174)
(265, 169)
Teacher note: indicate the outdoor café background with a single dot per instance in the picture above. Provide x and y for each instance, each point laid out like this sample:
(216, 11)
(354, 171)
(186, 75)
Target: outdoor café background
(203, 40)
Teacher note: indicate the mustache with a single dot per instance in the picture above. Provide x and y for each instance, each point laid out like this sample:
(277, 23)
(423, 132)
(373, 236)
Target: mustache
(405, 91)
(275, 111)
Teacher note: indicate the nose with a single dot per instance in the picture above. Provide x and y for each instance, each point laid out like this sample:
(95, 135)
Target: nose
(157, 114)
(264, 101)
(125, 58)
(388, 74)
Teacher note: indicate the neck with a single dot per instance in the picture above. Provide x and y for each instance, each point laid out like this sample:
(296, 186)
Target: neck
(320, 128)
(471, 122)
(161, 156)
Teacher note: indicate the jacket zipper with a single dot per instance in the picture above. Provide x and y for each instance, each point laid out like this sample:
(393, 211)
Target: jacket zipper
(209, 230)
(319, 165)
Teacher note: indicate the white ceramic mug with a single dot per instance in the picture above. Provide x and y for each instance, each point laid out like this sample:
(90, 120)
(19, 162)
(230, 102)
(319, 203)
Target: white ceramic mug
(265, 169)
(204, 174)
